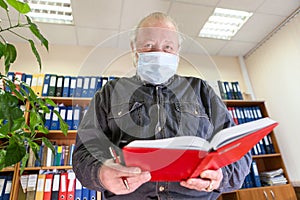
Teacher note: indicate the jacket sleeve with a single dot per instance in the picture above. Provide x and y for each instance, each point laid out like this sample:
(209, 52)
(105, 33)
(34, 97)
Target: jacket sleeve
(92, 144)
(235, 173)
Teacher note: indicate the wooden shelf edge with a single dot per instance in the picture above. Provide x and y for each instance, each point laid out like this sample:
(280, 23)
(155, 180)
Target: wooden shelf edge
(47, 168)
(8, 169)
(266, 187)
(266, 155)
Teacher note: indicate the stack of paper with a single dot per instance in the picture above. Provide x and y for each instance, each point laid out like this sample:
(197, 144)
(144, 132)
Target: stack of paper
(274, 177)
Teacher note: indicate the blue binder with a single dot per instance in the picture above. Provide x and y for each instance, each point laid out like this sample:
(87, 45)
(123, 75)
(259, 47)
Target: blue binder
(28, 79)
(79, 86)
(63, 113)
(255, 174)
(99, 83)
(85, 86)
(7, 188)
(38, 162)
(69, 118)
(76, 117)
(85, 193)
(78, 190)
(93, 194)
(46, 85)
(66, 88)
(228, 89)
(10, 76)
(73, 83)
(48, 118)
(93, 85)
(54, 120)
(2, 185)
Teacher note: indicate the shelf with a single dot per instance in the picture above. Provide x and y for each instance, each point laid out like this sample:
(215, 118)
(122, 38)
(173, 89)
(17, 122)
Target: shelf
(70, 100)
(47, 168)
(243, 103)
(266, 155)
(57, 134)
(8, 169)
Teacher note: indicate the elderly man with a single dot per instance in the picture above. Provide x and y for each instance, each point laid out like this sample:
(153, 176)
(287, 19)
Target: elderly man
(155, 103)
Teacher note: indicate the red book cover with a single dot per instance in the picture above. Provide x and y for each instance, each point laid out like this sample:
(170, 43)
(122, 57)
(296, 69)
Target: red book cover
(71, 186)
(62, 193)
(179, 158)
(48, 187)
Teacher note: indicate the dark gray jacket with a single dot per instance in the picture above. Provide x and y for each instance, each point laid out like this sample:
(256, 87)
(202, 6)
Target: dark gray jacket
(128, 109)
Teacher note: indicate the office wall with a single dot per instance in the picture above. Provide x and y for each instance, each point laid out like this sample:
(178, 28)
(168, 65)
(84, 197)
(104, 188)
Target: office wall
(78, 60)
(274, 71)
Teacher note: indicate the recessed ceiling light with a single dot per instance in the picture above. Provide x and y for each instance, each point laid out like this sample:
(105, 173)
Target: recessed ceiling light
(224, 23)
(51, 11)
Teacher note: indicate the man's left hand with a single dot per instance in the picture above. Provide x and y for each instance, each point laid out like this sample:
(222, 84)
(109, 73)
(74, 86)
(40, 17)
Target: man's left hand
(208, 181)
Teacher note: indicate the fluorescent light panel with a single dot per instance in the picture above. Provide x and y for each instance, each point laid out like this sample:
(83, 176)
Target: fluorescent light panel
(224, 23)
(51, 11)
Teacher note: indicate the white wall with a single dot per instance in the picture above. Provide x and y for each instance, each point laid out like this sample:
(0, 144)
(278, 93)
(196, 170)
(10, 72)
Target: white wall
(274, 71)
(77, 60)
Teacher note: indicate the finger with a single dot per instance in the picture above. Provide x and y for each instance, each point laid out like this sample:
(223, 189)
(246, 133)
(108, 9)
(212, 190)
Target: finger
(136, 181)
(120, 170)
(196, 183)
(212, 174)
(133, 183)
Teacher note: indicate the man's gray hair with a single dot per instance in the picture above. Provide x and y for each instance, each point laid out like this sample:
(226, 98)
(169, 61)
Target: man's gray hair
(159, 16)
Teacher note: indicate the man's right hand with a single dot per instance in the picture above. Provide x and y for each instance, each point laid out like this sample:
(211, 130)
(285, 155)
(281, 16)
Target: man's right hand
(111, 177)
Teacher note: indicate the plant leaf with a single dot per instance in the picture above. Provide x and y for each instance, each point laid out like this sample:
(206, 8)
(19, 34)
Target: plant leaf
(24, 161)
(50, 102)
(63, 125)
(2, 158)
(14, 152)
(36, 53)
(4, 130)
(10, 55)
(48, 144)
(19, 6)
(34, 29)
(18, 94)
(3, 5)
(18, 124)
(2, 48)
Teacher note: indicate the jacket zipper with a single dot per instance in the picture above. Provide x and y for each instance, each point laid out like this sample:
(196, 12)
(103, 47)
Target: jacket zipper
(158, 127)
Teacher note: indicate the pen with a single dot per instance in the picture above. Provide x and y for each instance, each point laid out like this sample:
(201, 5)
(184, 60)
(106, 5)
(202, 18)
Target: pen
(117, 160)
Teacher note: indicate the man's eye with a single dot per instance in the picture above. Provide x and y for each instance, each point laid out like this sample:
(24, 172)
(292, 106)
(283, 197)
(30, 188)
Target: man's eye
(148, 45)
(168, 48)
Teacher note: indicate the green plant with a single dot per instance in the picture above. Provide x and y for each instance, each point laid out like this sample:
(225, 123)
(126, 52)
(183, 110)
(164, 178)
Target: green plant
(16, 134)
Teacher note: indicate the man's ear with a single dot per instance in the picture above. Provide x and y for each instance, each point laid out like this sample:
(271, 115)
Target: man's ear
(134, 54)
(132, 46)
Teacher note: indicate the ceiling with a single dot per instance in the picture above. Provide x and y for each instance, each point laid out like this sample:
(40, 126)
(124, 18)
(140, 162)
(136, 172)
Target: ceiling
(96, 20)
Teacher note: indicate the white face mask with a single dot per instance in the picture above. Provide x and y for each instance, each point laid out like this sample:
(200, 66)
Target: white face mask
(156, 67)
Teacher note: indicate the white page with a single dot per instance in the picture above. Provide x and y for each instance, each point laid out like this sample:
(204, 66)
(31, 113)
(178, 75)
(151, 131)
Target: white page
(230, 134)
(182, 142)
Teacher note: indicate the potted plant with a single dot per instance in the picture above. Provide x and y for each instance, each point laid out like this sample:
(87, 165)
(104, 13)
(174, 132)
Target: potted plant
(16, 134)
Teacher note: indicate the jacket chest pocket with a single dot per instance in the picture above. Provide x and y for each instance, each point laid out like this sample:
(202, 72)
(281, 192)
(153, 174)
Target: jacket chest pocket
(128, 119)
(193, 120)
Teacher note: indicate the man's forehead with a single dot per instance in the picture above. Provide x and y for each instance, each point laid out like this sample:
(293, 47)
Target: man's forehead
(156, 32)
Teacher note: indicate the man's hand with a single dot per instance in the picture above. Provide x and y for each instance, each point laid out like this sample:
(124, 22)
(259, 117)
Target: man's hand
(208, 181)
(111, 177)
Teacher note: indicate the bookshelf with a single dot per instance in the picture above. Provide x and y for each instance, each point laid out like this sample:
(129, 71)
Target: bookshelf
(265, 162)
(54, 136)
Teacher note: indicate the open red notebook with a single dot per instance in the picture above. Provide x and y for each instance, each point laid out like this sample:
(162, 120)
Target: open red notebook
(179, 158)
